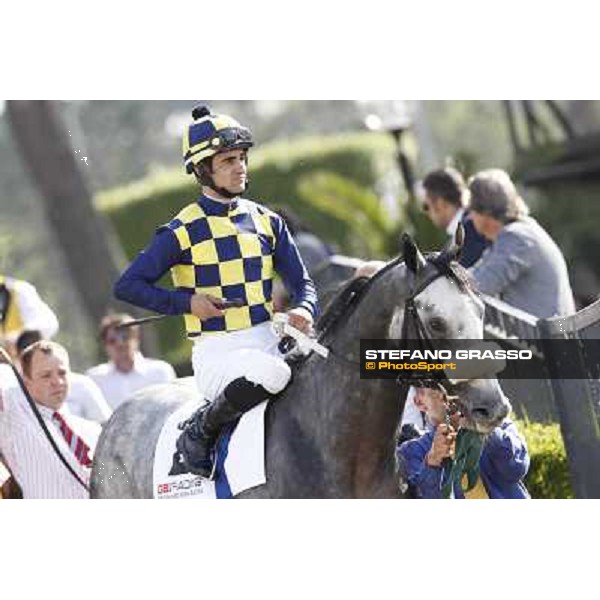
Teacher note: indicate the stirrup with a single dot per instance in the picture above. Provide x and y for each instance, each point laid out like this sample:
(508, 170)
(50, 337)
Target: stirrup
(194, 450)
(179, 467)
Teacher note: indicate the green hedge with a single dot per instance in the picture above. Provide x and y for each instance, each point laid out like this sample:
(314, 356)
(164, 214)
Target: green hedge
(363, 225)
(328, 182)
(275, 172)
(548, 475)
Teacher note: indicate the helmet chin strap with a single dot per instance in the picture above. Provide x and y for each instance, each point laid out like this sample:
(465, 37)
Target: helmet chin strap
(204, 176)
(225, 193)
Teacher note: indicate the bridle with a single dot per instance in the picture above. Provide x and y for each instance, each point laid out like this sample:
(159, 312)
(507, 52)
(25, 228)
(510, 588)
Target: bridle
(415, 332)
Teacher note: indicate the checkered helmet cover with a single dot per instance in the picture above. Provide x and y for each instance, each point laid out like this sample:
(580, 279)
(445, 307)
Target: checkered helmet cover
(210, 134)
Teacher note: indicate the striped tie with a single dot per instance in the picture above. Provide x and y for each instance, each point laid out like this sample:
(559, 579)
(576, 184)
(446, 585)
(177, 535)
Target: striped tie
(79, 448)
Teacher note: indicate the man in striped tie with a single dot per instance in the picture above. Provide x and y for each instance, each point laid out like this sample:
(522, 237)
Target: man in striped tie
(29, 453)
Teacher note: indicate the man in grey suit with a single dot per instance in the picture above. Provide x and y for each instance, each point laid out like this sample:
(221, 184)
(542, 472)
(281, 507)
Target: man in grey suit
(523, 267)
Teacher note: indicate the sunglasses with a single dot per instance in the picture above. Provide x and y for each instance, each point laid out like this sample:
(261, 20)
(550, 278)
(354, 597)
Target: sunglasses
(121, 335)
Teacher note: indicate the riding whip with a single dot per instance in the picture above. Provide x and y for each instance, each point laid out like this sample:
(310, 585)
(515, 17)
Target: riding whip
(221, 305)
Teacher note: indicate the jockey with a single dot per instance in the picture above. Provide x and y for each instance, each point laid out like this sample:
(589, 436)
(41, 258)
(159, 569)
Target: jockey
(223, 250)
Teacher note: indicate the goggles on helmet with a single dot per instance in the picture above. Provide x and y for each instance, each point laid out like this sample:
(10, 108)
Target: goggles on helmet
(210, 134)
(232, 137)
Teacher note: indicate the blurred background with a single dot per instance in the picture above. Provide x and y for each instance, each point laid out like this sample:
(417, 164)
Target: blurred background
(83, 184)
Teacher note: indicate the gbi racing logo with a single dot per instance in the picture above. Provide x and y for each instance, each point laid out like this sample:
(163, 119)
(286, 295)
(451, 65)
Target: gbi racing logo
(178, 486)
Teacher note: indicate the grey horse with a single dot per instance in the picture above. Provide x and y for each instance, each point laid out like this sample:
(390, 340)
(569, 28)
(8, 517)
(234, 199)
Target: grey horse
(331, 434)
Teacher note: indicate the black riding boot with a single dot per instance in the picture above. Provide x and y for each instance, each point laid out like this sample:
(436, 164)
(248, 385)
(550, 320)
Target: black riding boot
(200, 432)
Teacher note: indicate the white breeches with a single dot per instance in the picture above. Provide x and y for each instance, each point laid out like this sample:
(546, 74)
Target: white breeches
(251, 353)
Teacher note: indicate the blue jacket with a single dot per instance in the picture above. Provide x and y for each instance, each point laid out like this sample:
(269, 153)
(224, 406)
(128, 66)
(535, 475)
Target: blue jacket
(474, 244)
(503, 464)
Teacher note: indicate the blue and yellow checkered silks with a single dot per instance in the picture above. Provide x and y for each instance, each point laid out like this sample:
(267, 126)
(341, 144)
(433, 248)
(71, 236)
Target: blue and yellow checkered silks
(202, 140)
(228, 256)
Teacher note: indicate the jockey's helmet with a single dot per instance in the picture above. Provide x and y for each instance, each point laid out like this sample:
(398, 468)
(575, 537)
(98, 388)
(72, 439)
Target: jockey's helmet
(210, 134)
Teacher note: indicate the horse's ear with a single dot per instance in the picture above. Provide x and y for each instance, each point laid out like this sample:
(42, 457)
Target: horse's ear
(459, 241)
(453, 249)
(413, 258)
(459, 236)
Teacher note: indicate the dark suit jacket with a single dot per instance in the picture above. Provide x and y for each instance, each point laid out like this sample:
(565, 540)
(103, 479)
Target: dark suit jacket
(474, 244)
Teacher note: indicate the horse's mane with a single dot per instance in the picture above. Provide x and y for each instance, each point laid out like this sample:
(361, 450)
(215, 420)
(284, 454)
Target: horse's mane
(347, 294)
(454, 270)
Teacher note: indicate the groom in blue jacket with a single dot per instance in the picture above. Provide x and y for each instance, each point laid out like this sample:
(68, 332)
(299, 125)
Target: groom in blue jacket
(503, 464)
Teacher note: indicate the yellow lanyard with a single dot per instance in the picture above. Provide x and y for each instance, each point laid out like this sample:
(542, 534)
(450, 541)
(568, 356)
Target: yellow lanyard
(477, 493)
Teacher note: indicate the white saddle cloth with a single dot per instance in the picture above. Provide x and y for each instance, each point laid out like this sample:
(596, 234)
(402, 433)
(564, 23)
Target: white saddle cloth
(244, 466)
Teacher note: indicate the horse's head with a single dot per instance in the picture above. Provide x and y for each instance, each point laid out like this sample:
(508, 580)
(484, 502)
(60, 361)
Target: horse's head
(442, 292)
(442, 305)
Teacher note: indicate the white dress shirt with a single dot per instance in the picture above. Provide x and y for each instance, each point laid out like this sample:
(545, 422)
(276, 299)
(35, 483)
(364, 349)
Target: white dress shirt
(85, 399)
(456, 219)
(118, 386)
(4, 474)
(7, 378)
(28, 452)
(411, 414)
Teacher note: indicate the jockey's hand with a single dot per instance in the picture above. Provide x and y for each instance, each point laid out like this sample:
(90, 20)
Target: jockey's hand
(203, 306)
(443, 445)
(301, 319)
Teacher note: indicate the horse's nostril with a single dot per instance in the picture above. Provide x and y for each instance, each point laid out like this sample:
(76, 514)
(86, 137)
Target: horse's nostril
(480, 413)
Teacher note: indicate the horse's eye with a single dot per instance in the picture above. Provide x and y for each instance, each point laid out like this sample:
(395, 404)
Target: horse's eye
(437, 324)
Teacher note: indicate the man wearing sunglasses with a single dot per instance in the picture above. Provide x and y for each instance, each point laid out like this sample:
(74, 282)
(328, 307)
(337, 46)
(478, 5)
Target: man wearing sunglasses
(223, 251)
(444, 202)
(127, 369)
